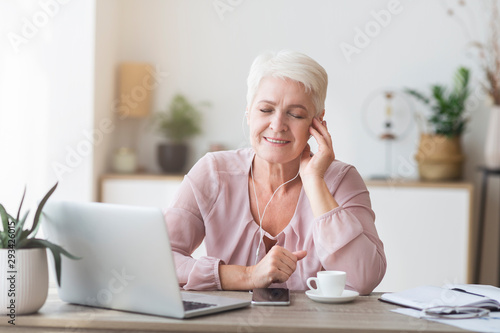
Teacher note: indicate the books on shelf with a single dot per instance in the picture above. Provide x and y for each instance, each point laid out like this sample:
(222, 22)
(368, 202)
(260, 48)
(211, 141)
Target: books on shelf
(424, 297)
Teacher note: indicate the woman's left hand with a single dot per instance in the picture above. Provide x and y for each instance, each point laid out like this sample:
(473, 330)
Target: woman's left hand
(315, 166)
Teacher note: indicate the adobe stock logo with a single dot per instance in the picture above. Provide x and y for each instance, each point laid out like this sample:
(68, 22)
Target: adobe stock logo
(221, 7)
(115, 286)
(372, 28)
(30, 27)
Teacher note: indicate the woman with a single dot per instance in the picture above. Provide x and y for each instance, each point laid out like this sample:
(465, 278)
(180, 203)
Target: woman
(276, 214)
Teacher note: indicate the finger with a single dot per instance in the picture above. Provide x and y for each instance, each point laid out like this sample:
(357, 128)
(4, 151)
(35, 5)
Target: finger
(300, 254)
(276, 266)
(321, 128)
(320, 125)
(280, 277)
(286, 269)
(288, 254)
(320, 138)
(289, 259)
(328, 137)
(288, 263)
(267, 274)
(320, 133)
(282, 259)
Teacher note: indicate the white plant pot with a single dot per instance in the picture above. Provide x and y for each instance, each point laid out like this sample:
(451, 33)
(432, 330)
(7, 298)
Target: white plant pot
(30, 285)
(492, 144)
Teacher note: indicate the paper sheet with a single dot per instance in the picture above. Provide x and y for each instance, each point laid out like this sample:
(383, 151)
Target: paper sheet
(490, 324)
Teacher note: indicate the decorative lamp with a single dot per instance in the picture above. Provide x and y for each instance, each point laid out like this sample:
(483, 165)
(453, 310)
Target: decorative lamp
(387, 117)
(136, 82)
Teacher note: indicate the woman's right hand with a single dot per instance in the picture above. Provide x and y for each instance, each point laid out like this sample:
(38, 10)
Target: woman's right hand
(276, 267)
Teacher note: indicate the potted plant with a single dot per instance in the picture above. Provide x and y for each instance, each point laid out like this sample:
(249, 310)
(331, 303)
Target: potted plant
(181, 121)
(23, 258)
(440, 154)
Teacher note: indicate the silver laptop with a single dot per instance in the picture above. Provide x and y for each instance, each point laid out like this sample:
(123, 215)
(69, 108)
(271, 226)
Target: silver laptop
(127, 263)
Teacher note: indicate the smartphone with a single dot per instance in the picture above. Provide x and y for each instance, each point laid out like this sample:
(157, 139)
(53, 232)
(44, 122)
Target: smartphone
(271, 296)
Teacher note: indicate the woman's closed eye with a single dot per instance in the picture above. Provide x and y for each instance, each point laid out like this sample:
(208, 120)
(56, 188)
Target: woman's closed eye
(294, 114)
(297, 116)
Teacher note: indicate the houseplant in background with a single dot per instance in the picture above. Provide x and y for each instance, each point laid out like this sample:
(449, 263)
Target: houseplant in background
(440, 154)
(181, 121)
(23, 259)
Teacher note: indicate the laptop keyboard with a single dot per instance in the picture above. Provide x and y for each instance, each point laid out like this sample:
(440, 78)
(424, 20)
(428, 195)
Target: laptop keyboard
(188, 305)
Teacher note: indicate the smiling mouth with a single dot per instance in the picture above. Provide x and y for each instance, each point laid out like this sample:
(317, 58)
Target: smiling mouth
(276, 141)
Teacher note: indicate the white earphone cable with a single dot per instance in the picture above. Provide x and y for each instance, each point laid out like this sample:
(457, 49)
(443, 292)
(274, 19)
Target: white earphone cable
(261, 217)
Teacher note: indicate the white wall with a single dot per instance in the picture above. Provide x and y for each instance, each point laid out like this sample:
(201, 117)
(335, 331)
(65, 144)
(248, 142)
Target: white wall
(107, 39)
(208, 55)
(46, 99)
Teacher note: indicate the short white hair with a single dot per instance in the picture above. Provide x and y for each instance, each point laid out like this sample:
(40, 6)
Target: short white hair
(291, 65)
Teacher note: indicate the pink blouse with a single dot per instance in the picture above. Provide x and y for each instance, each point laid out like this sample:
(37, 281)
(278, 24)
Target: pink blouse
(213, 204)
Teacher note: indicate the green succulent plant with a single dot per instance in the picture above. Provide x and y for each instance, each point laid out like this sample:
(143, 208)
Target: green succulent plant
(448, 106)
(181, 121)
(14, 236)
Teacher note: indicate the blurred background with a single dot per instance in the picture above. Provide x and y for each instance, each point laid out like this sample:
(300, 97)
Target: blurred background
(60, 84)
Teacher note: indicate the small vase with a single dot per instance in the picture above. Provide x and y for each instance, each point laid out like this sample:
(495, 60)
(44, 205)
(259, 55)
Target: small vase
(492, 145)
(25, 285)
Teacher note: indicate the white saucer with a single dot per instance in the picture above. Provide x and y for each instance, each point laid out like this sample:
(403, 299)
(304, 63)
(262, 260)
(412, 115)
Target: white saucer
(347, 296)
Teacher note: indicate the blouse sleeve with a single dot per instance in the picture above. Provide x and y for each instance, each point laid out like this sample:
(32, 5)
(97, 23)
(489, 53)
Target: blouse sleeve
(346, 238)
(185, 223)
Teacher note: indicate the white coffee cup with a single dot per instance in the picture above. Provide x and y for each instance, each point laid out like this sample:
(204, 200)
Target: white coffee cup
(328, 283)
